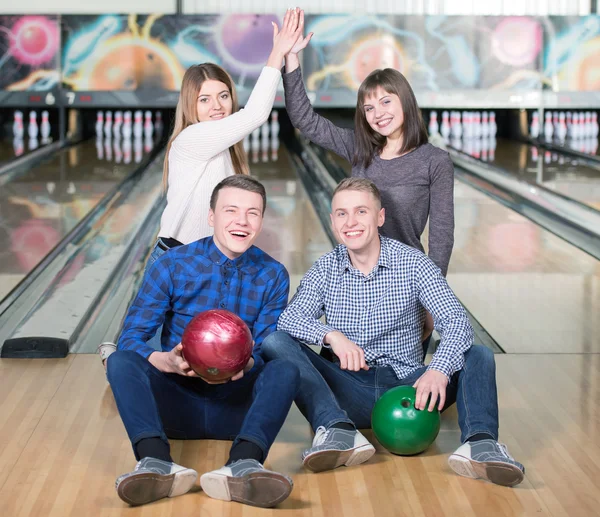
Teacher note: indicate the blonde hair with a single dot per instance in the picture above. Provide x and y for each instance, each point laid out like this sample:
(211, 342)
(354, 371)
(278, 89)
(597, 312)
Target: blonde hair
(186, 113)
(360, 184)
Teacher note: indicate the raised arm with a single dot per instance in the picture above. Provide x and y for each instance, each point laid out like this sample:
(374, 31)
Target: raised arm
(301, 317)
(441, 213)
(204, 140)
(302, 115)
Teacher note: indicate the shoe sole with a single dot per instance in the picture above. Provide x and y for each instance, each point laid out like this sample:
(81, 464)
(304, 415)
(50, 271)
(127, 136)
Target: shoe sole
(497, 472)
(331, 459)
(147, 487)
(264, 489)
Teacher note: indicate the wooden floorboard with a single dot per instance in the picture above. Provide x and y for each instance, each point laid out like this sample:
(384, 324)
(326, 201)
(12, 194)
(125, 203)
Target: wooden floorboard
(64, 445)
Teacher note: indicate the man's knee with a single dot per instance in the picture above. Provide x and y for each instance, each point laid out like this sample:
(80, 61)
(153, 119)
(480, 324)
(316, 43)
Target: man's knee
(481, 356)
(285, 370)
(122, 363)
(276, 344)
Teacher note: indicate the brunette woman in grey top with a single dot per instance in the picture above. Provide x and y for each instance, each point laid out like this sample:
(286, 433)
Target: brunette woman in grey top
(388, 146)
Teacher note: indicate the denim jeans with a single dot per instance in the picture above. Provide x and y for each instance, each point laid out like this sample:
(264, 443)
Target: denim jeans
(167, 405)
(329, 395)
(155, 341)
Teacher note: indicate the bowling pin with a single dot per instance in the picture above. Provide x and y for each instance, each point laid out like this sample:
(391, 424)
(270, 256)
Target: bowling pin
(138, 125)
(548, 127)
(274, 124)
(445, 127)
(477, 125)
(562, 127)
(117, 124)
(108, 119)
(534, 129)
(18, 130)
(45, 127)
(594, 132)
(433, 123)
(588, 124)
(456, 127)
(485, 128)
(99, 124)
(492, 126)
(33, 129)
(148, 125)
(127, 130)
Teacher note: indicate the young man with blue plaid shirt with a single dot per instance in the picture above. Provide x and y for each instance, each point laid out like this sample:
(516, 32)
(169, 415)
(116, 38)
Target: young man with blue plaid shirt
(157, 393)
(373, 291)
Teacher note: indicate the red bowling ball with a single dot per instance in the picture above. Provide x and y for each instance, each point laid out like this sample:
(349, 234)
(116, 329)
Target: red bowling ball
(217, 344)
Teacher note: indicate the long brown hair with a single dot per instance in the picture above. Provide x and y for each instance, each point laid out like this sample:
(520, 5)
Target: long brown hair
(186, 113)
(368, 141)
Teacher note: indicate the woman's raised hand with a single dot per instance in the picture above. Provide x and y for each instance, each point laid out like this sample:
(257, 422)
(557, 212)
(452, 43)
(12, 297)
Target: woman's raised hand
(286, 38)
(301, 42)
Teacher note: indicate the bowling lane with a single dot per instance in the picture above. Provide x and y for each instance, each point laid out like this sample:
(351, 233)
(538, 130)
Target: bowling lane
(556, 171)
(40, 206)
(11, 149)
(529, 289)
(292, 232)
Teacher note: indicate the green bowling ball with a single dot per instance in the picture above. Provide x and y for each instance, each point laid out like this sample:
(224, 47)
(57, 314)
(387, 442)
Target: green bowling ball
(399, 426)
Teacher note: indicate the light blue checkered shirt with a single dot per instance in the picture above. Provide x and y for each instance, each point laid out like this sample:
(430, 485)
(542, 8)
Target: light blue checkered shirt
(381, 312)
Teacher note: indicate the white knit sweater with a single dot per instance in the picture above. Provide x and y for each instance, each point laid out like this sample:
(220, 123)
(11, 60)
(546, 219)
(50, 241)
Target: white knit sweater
(199, 159)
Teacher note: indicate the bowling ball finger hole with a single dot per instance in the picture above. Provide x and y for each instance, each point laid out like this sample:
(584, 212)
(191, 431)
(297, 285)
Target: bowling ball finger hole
(406, 403)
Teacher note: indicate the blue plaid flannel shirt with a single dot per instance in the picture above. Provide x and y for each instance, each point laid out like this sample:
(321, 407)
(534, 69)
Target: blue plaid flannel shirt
(381, 312)
(196, 277)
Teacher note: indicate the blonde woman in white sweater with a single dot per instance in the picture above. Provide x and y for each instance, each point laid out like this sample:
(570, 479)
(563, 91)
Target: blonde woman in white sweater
(206, 144)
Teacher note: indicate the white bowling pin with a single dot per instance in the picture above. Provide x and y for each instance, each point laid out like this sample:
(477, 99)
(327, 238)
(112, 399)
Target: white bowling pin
(45, 126)
(117, 123)
(445, 127)
(99, 124)
(18, 130)
(127, 130)
(534, 129)
(108, 119)
(548, 127)
(274, 124)
(138, 124)
(433, 123)
(485, 128)
(33, 129)
(148, 125)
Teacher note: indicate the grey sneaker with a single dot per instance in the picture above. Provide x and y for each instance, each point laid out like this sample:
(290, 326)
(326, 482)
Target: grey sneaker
(487, 459)
(105, 349)
(154, 479)
(333, 448)
(248, 482)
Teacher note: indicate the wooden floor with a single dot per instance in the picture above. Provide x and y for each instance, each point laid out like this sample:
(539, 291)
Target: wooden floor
(63, 445)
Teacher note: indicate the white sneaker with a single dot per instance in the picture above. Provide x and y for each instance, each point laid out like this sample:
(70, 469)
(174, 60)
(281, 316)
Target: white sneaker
(105, 349)
(248, 482)
(154, 479)
(334, 447)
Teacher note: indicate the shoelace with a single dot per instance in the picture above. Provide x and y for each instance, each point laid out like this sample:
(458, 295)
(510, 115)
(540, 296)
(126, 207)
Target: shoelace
(504, 451)
(323, 437)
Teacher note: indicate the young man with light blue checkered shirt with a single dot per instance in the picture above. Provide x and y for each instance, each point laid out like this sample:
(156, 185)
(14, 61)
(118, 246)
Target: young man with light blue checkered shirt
(373, 291)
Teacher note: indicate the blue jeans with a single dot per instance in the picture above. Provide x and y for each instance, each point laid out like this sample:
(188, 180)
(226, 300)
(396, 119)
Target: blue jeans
(330, 395)
(167, 405)
(155, 341)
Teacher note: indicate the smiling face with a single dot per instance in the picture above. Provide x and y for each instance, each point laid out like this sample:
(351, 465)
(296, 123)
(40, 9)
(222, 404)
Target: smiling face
(355, 217)
(237, 219)
(383, 112)
(214, 101)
